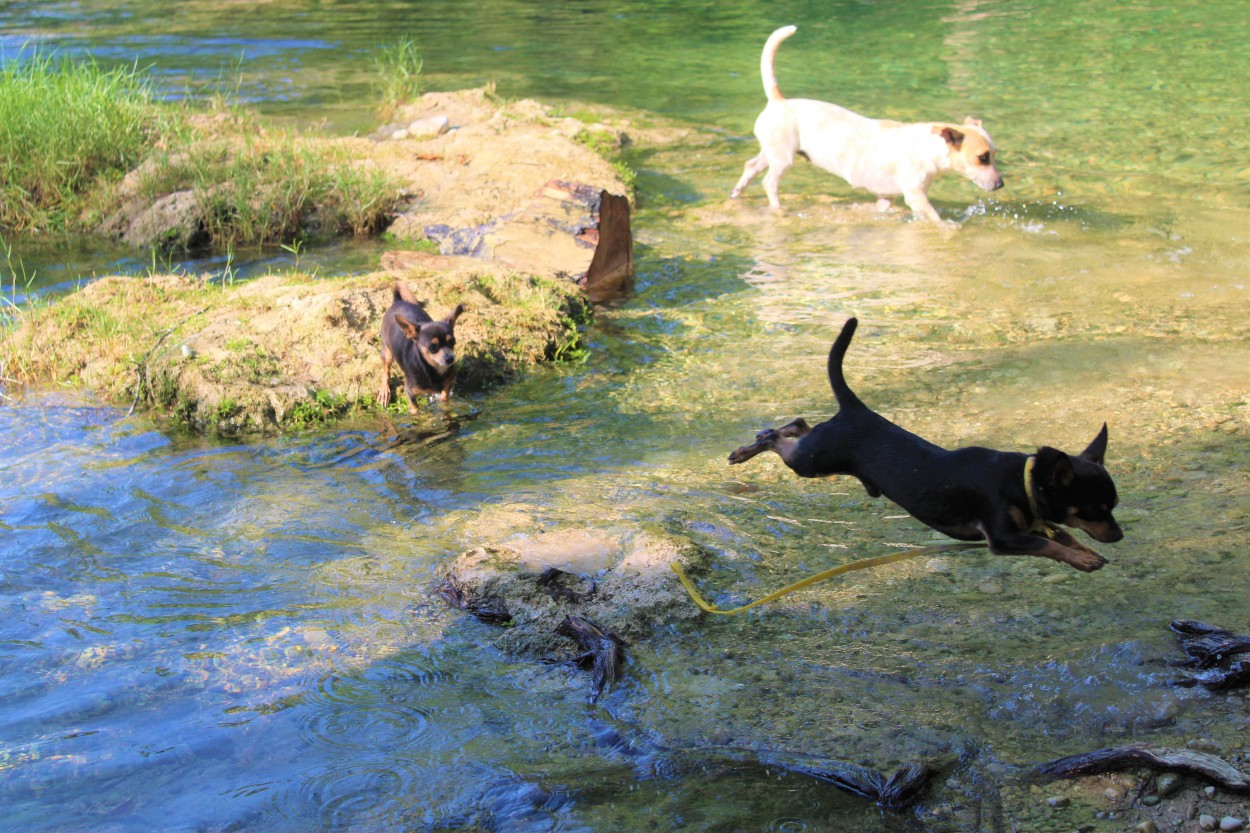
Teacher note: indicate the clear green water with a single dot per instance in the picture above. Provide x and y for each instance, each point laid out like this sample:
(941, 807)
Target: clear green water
(206, 636)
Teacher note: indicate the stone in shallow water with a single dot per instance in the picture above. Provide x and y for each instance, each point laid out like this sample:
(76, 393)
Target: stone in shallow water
(619, 579)
(574, 551)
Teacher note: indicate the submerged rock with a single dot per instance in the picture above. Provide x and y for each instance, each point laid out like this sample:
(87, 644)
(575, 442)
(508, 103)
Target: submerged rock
(619, 583)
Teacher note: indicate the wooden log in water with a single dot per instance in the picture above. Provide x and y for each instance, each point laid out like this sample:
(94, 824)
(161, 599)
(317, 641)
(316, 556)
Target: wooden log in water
(1214, 652)
(611, 272)
(603, 652)
(1206, 645)
(1138, 756)
(490, 609)
(895, 792)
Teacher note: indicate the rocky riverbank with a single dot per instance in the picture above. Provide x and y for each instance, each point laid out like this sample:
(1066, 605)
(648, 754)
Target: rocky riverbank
(508, 194)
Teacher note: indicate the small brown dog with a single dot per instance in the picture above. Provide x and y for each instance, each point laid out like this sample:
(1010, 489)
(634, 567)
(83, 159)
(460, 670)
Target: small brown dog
(423, 348)
(885, 157)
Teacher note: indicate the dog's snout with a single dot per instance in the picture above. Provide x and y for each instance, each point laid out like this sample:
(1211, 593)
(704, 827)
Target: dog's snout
(1107, 533)
(998, 183)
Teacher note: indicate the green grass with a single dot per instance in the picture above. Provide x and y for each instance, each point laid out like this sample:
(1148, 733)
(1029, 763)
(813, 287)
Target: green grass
(70, 133)
(609, 147)
(63, 125)
(399, 71)
(275, 188)
(322, 409)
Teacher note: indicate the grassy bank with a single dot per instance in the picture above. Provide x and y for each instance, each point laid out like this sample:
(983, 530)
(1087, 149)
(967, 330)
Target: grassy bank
(65, 127)
(89, 150)
(278, 352)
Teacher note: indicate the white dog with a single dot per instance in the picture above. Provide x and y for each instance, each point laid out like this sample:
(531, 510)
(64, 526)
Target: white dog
(885, 157)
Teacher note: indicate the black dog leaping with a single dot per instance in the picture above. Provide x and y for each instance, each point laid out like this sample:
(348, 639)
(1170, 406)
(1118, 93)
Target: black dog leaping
(1013, 501)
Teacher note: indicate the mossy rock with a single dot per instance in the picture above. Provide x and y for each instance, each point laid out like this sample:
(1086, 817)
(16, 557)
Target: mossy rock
(622, 580)
(280, 352)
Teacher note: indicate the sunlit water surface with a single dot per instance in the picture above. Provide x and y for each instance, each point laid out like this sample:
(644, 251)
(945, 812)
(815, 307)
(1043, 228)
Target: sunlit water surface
(200, 635)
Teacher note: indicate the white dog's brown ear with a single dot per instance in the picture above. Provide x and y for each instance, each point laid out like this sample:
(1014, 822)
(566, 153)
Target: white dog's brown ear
(971, 122)
(952, 136)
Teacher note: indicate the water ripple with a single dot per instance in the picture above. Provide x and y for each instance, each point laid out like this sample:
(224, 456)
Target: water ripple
(359, 713)
(376, 795)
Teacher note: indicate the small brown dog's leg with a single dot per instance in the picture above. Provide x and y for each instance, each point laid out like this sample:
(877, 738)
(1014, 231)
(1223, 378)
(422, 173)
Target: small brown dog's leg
(384, 392)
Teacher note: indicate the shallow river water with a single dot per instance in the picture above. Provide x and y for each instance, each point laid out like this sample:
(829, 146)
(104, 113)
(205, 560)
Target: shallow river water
(204, 635)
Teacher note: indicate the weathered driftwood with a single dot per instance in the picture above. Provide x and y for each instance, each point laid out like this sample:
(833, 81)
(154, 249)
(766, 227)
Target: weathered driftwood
(490, 609)
(611, 272)
(1207, 645)
(896, 792)
(1136, 756)
(1213, 652)
(602, 651)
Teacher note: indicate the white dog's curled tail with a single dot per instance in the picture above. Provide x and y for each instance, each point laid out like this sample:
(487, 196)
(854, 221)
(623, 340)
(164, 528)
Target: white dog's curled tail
(766, 62)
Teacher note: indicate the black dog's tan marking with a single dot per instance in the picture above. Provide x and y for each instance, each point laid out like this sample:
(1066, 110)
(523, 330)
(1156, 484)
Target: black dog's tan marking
(969, 493)
(423, 348)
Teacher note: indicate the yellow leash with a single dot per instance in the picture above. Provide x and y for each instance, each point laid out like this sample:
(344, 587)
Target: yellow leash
(1039, 527)
(863, 564)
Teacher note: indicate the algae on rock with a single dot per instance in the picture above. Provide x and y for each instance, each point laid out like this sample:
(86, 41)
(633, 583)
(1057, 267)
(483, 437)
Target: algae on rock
(619, 579)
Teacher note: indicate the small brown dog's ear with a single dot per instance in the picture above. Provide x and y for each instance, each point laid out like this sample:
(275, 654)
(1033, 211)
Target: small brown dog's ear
(451, 319)
(1098, 448)
(971, 122)
(952, 136)
(407, 326)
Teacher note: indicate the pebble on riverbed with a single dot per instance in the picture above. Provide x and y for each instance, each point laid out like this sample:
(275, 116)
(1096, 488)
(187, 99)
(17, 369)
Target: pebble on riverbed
(1168, 783)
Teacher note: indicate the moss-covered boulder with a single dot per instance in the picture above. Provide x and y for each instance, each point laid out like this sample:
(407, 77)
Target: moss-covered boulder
(621, 580)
